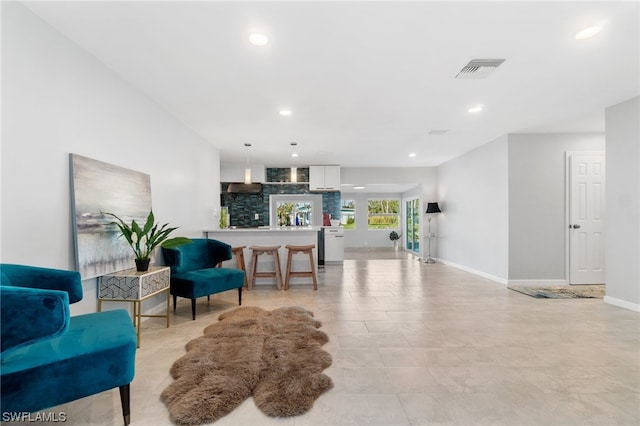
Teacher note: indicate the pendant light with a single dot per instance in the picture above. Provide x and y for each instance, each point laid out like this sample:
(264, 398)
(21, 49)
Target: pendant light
(247, 170)
(294, 170)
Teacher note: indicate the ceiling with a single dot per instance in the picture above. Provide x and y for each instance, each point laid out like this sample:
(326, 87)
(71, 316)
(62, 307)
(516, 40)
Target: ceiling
(366, 81)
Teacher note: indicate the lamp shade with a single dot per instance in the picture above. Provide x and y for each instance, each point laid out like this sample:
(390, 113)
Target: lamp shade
(433, 208)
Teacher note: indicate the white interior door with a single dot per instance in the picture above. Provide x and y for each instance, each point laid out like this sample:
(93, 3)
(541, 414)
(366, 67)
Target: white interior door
(586, 209)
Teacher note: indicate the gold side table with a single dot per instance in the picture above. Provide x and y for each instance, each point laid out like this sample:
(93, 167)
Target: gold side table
(133, 286)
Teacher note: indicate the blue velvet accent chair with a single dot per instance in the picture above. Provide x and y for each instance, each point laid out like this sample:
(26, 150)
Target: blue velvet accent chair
(194, 273)
(50, 358)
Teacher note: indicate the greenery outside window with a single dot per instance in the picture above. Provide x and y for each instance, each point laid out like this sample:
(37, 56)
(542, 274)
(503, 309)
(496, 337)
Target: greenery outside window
(294, 214)
(348, 214)
(384, 214)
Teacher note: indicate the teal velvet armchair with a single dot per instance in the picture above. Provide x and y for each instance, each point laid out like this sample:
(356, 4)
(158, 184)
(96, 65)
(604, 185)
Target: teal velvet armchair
(194, 273)
(50, 358)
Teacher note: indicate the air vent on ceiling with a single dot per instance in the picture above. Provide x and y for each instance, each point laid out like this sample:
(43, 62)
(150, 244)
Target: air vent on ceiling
(479, 68)
(438, 132)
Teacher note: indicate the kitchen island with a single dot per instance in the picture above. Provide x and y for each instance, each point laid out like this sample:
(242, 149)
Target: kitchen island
(270, 236)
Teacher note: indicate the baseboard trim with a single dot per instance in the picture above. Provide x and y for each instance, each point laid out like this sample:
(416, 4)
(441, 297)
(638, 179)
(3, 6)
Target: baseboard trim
(529, 283)
(622, 303)
(482, 274)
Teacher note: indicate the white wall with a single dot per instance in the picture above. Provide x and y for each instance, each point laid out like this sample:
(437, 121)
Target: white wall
(622, 219)
(56, 100)
(474, 224)
(537, 227)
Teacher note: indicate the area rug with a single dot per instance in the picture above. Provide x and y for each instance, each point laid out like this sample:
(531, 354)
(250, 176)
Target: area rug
(276, 356)
(563, 292)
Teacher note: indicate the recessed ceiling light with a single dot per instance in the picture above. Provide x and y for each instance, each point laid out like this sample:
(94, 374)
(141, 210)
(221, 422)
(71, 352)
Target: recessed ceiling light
(476, 108)
(295, 154)
(413, 154)
(258, 39)
(358, 187)
(588, 32)
(285, 112)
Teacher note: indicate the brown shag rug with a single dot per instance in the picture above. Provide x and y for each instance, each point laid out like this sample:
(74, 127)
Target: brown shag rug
(276, 356)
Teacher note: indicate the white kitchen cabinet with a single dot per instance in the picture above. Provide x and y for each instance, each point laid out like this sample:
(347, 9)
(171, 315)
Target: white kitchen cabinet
(333, 244)
(324, 178)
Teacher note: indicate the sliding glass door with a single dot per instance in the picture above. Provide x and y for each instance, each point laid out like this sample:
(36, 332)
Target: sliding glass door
(412, 223)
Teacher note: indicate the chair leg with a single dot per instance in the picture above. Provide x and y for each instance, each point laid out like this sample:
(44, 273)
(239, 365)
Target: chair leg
(239, 295)
(175, 299)
(241, 265)
(125, 400)
(313, 270)
(279, 282)
(254, 268)
(288, 272)
(208, 298)
(193, 308)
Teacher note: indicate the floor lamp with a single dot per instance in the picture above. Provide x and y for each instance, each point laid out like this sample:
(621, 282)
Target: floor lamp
(432, 208)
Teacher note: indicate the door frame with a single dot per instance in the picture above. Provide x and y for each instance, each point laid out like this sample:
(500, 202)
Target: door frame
(413, 199)
(567, 208)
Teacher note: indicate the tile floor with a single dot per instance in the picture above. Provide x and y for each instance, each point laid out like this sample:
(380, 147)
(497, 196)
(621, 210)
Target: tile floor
(417, 344)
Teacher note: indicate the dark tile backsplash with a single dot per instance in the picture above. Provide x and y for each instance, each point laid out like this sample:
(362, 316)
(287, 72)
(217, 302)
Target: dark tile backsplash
(284, 174)
(243, 207)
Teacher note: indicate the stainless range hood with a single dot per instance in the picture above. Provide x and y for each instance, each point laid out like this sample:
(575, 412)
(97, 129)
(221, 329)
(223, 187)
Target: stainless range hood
(244, 188)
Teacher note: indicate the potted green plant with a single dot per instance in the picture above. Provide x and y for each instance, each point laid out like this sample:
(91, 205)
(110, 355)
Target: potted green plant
(143, 240)
(394, 237)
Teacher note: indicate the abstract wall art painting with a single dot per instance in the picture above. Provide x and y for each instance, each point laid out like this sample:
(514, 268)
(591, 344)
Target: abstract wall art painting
(98, 188)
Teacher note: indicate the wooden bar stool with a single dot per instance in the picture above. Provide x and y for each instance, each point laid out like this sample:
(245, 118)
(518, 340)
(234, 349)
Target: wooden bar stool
(238, 252)
(312, 273)
(277, 274)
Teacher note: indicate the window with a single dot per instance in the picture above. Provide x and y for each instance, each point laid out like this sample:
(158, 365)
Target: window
(295, 210)
(294, 214)
(348, 214)
(384, 214)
